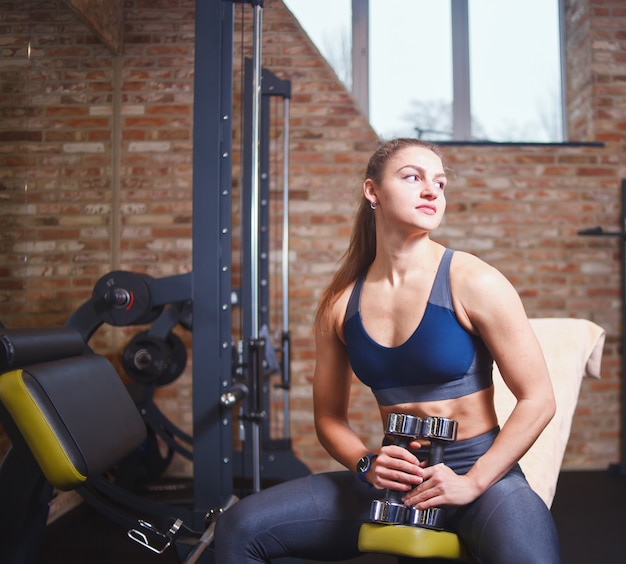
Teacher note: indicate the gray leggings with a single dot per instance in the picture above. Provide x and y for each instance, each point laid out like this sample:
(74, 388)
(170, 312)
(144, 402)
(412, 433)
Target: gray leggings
(318, 518)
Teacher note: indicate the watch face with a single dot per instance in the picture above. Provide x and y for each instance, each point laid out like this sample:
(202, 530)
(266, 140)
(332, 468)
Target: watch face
(363, 464)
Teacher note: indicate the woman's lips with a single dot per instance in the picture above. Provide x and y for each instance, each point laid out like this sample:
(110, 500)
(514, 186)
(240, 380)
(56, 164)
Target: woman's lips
(429, 210)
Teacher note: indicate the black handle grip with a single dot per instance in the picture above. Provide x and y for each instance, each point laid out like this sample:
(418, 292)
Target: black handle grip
(436, 452)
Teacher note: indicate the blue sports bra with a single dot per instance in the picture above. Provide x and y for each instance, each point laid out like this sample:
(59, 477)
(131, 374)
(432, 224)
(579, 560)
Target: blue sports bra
(440, 360)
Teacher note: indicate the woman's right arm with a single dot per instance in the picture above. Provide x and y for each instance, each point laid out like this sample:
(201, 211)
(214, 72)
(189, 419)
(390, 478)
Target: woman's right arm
(331, 395)
(395, 467)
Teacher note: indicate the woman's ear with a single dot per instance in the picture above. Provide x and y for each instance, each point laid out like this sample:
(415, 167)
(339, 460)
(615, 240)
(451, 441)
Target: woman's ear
(369, 191)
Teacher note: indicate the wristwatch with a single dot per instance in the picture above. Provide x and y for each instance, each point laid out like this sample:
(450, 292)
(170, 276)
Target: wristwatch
(364, 465)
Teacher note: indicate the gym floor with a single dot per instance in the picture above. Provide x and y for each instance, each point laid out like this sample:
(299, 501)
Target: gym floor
(589, 510)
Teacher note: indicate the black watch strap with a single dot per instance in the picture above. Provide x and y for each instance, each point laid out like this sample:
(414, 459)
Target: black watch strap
(364, 465)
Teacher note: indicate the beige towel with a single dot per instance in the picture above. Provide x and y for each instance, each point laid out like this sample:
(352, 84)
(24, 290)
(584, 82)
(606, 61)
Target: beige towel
(573, 349)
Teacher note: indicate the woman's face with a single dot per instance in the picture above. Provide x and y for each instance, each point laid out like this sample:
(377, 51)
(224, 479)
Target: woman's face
(410, 193)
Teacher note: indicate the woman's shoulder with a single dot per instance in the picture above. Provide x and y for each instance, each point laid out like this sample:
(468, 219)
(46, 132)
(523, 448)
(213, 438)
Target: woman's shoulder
(469, 271)
(479, 291)
(332, 319)
(340, 304)
(462, 260)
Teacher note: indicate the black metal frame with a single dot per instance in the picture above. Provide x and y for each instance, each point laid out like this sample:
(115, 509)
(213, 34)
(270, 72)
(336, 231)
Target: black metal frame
(211, 286)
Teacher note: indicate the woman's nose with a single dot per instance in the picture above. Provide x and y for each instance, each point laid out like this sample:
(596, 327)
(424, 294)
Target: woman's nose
(430, 190)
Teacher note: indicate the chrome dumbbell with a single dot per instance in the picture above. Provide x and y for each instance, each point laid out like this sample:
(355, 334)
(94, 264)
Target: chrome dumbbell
(391, 509)
(439, 431)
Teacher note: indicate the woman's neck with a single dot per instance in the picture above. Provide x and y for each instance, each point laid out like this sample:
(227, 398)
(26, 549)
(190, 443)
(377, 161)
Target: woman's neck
(397, 263)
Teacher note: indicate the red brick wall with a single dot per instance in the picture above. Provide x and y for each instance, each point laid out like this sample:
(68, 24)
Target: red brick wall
(596, 90)
(103, 146)
(95, 167)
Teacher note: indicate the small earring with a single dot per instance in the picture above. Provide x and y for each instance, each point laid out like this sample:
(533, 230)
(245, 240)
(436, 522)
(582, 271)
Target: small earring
(374, 204)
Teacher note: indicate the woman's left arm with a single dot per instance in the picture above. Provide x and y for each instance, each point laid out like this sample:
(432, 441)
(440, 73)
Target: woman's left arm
(487, 302)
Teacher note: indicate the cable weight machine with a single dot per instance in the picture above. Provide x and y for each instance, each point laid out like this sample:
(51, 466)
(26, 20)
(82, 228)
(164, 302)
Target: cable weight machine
(273, 456)
(240, 371)
(201, 301)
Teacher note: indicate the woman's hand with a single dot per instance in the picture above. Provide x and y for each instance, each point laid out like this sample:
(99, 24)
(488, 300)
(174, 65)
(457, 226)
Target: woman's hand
(396, 468)
(442, 486)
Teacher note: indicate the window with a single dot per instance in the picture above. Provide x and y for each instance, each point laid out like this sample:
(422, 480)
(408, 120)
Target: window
(410, 68)
(515, 70)
(506, 77)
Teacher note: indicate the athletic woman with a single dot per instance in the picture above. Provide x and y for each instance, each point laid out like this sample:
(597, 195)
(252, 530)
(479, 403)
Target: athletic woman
(420, 325)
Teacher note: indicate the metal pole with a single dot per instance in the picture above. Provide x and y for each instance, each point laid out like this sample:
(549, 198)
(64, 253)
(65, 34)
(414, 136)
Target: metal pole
(254, 229)
(285, 247)
(286, 376)
(255, 188)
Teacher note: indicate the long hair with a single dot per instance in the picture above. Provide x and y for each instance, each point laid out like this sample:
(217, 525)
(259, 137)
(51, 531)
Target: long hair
(362, 248)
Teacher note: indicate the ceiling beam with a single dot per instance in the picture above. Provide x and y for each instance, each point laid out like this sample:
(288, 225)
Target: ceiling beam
(104, 17)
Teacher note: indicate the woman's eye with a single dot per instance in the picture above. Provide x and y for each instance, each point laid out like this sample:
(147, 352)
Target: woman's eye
(412, 177)
(441, 185)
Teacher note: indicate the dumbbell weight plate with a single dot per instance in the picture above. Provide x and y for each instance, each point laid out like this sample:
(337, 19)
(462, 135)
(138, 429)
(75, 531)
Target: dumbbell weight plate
(441, 428)
(387, 511)
(433, 518)
(403, 425)
(124, 298)
(150, 360)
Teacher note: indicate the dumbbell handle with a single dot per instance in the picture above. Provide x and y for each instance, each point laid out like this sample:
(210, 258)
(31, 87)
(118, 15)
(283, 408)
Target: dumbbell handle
(404, 429)
(436, 452)
(435, 457)
(395, 496)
